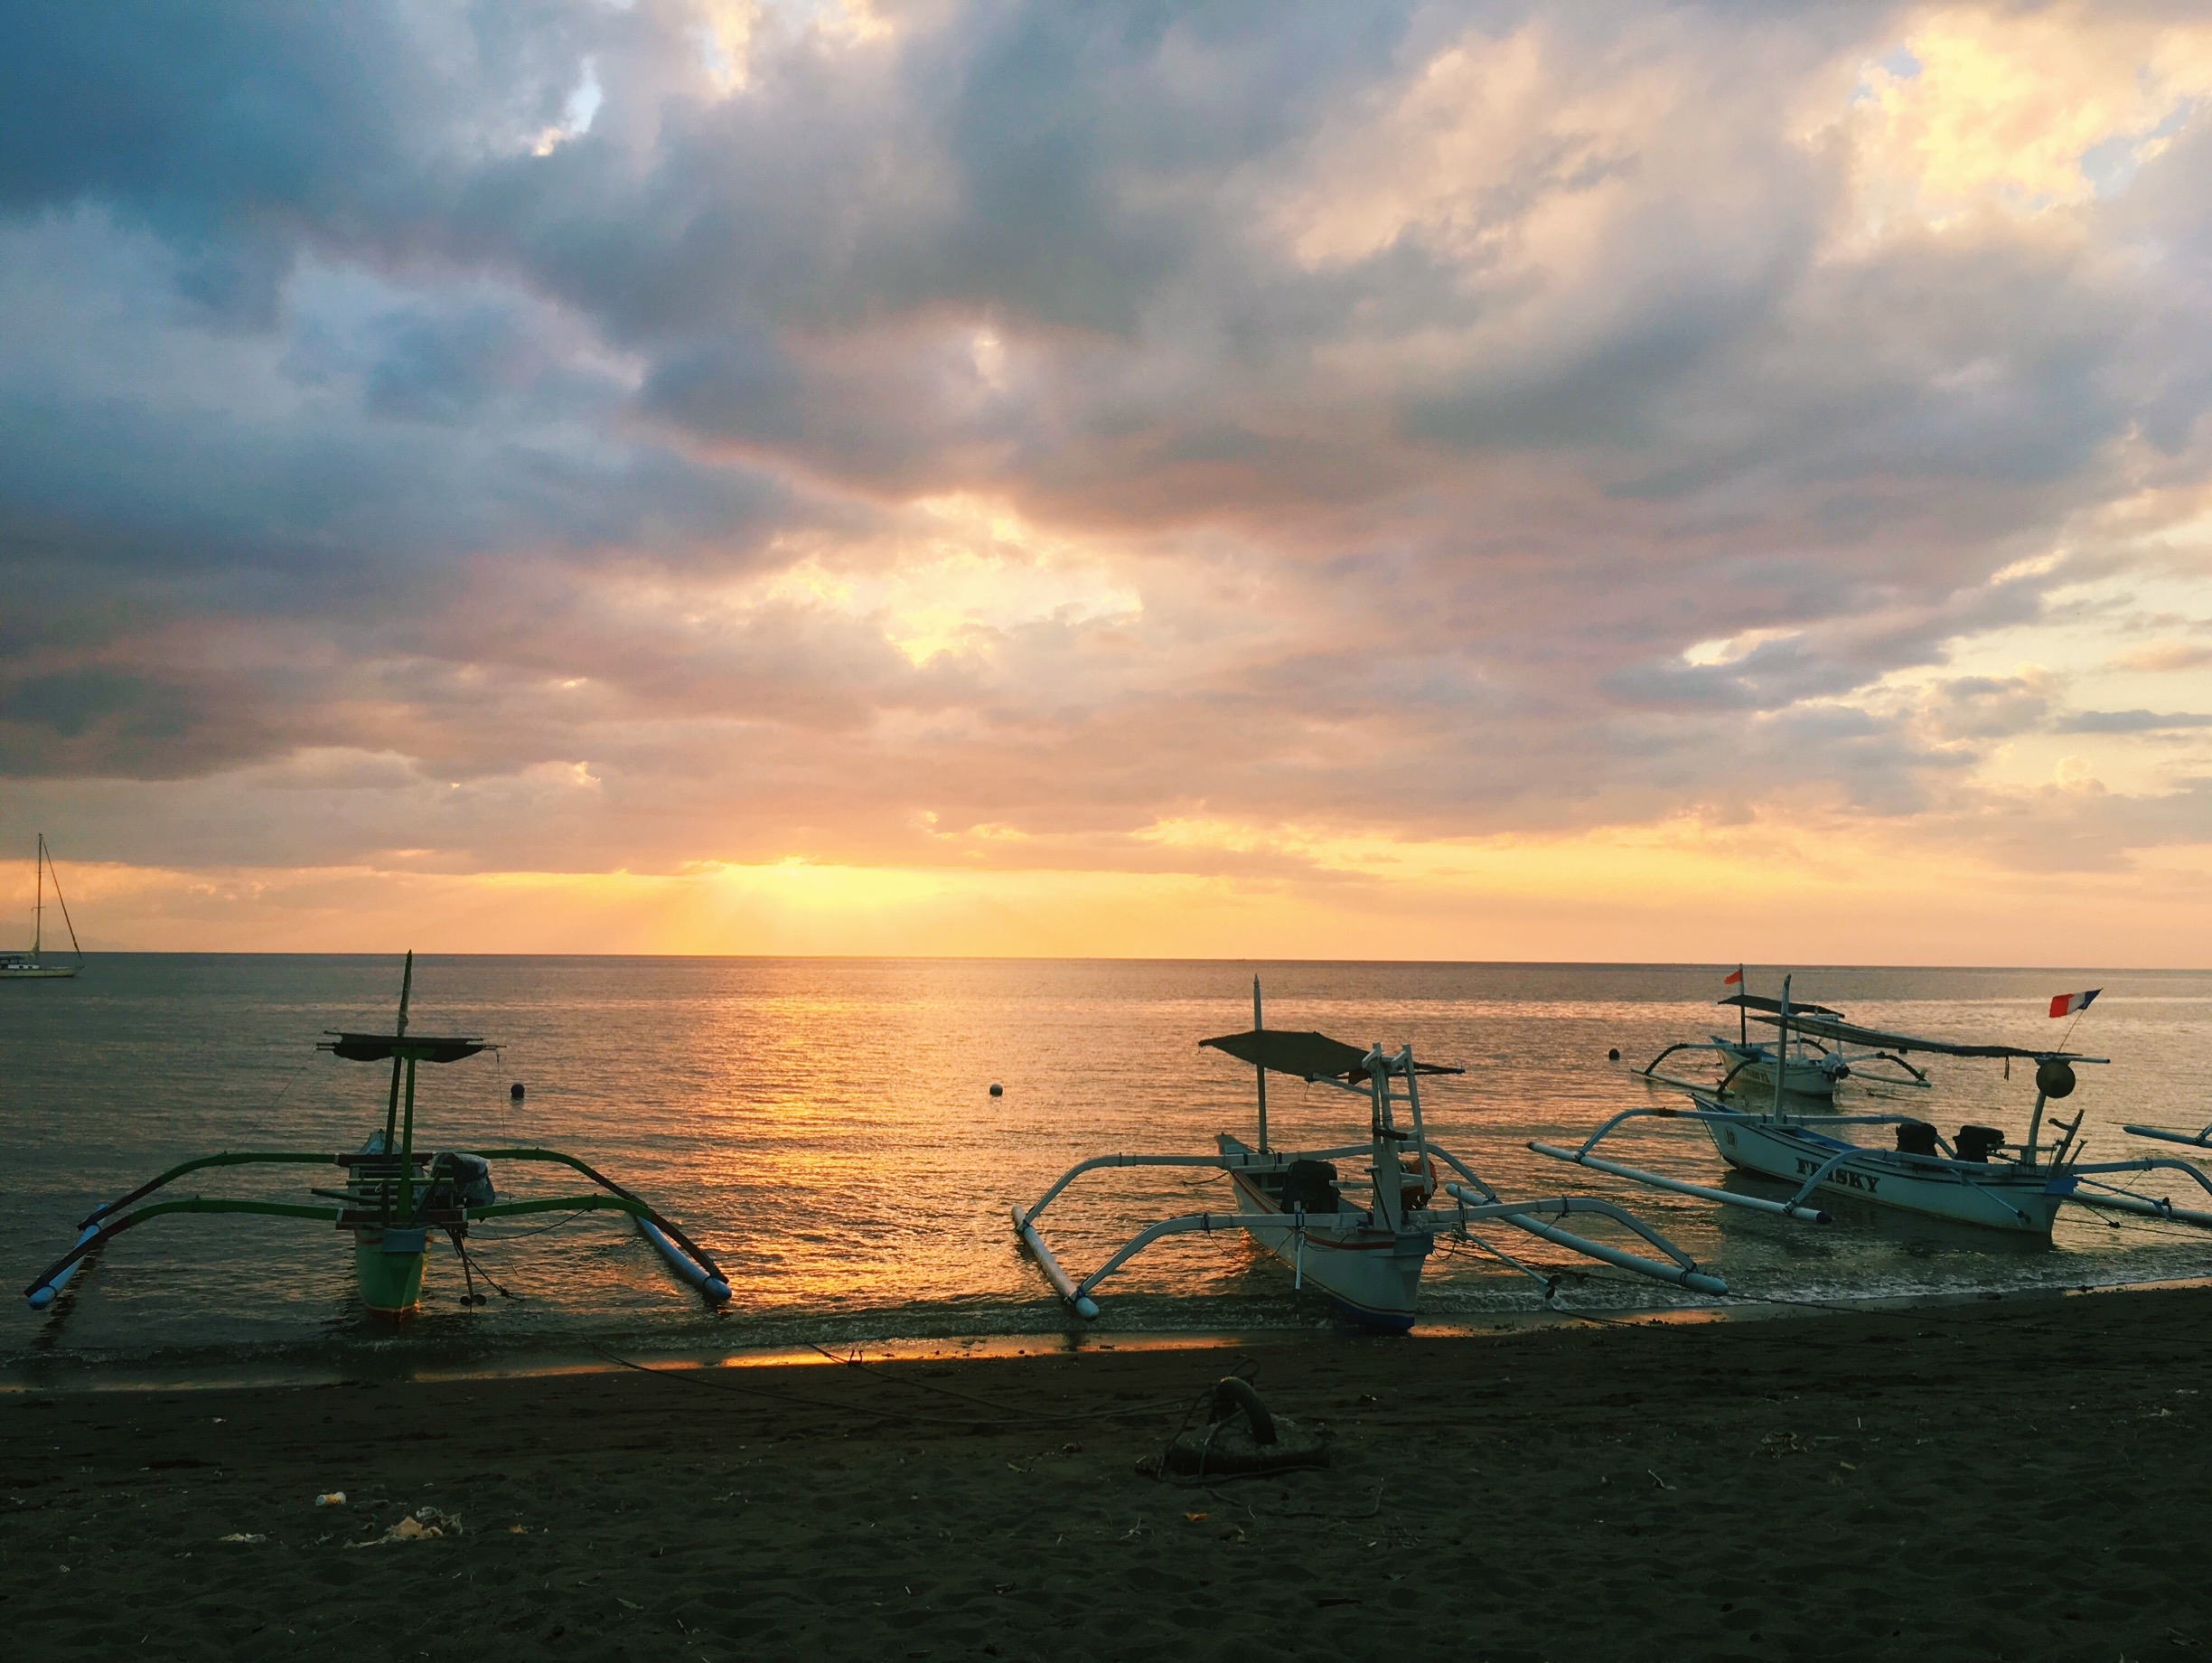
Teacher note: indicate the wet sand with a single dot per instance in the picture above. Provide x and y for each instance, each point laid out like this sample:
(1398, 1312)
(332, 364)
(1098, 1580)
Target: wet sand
(2010, 1480)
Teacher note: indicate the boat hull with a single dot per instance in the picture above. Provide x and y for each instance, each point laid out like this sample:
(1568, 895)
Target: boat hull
(36, 973)
(1372, 1275)
(387, 1268)
(2000, 1197)
(1752, 1071)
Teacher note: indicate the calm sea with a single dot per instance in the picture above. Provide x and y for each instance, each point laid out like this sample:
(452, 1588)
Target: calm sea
(825, 1127)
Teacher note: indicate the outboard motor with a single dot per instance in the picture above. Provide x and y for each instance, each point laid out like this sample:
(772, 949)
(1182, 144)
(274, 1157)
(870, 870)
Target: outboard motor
(1312, 1185)
(1916, 1137)
(458, 1179)
(1978, 1142)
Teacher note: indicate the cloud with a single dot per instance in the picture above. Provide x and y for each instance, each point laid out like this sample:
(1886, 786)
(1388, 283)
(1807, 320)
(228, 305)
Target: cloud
(2132, 721)
(1017, 437)
(2164, 658)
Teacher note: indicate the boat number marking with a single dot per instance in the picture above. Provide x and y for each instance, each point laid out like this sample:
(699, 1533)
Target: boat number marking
(1843, 1176)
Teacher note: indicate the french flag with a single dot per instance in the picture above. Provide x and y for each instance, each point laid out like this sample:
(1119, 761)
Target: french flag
(2067, 1004)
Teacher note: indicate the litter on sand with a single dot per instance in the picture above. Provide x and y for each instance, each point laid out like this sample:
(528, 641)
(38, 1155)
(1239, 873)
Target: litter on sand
(419, 1526)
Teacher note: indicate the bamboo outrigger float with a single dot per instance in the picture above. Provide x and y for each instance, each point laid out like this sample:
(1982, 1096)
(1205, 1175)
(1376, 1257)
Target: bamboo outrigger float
(394, 1196)
(1367, 1257)
(1969, 1180)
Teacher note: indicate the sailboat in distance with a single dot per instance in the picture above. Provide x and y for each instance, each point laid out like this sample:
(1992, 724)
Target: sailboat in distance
(30, 967)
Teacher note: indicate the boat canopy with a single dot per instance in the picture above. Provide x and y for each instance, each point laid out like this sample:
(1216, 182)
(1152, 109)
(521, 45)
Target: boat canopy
(419, 1048)
(1759, 1001)
(1307, 1055)
(1851, 1033)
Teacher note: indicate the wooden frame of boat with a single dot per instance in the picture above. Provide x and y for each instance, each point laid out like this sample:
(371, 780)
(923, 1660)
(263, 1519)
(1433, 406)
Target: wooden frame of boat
(1945, 1180)
(1369, 1259)
(32, 966)
(394, 1197)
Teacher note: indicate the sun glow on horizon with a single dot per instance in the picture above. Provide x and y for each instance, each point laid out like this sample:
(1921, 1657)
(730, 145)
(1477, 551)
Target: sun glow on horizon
(1688, 889)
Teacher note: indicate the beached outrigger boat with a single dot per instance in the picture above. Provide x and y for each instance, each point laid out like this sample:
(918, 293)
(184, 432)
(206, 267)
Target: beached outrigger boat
(1367, 1257)
(1969, 1180)
(394, 1196)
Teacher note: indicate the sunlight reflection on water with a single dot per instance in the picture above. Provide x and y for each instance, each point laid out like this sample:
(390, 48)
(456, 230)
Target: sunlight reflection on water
(824, 1127)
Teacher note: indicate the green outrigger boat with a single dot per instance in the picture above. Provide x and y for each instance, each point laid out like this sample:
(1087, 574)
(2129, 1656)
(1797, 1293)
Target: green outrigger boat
(394, 1196)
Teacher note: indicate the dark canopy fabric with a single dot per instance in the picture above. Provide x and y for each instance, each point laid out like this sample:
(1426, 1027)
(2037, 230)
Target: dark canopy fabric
(1309, 1056)
(1758, 1001)
(1851, 1033)
(423, 1047)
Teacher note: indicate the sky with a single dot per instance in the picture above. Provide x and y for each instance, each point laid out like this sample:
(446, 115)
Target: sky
(1475, 481)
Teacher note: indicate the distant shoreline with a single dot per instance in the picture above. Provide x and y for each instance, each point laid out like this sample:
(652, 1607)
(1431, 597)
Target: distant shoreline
(1684, 965)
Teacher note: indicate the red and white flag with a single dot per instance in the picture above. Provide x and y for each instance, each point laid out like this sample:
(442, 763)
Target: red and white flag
(1734, 979)
(2067, 1004)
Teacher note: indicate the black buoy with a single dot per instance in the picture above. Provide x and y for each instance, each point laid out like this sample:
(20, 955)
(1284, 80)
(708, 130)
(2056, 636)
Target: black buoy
(997, 1090)
(515, 1091)
(2053, 1078)
(1613, 1054)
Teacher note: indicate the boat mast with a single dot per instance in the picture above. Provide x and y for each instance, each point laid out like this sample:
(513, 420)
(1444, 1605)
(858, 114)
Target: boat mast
(1743, 1012)
(1389, 1176)
(38, 906)
(404, 1148)
(60, 900)
(392, 1109)
(1782, 1046)
(1421, 1130)
(1260, 1069)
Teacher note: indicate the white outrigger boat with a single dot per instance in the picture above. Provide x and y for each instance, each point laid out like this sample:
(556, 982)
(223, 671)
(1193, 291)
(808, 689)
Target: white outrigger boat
(1811, 1066)
(1366, 1252)
(1968, 1179)
(394, 1195)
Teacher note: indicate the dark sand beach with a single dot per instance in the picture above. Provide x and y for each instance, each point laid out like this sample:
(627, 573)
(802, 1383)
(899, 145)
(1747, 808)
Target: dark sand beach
(2013, 1478)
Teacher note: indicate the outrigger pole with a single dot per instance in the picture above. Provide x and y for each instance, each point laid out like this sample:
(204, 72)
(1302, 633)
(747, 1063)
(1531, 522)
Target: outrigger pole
(702, 1273)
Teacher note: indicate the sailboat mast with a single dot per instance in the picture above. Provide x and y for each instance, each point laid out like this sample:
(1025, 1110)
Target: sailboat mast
(1260, 1069)
(38, 906)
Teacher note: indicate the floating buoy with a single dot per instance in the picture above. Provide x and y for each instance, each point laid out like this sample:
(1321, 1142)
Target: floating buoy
(515, 1091)
(997, 1090)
